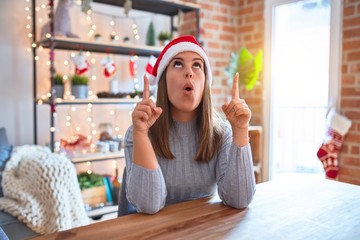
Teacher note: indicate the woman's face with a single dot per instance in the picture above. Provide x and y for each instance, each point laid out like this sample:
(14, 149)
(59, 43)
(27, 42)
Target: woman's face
(185, 79)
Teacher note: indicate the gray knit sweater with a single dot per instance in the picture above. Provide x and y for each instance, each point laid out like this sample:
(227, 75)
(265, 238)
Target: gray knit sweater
(183, 178)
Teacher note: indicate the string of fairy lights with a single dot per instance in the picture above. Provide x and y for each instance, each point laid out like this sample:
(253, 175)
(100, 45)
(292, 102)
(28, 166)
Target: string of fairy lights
(70, 123)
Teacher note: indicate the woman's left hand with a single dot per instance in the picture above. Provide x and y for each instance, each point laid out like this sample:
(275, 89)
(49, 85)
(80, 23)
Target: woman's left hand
(237, 111)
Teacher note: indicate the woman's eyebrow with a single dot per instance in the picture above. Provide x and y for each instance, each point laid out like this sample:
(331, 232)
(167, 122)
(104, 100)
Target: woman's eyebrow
(177, 58)
(198, 59)
(181, 59)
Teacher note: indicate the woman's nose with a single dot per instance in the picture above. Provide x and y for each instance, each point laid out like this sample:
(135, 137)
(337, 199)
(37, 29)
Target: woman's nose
(188, 73)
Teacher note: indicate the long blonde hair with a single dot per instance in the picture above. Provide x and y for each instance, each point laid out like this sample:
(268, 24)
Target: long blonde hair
(207, 121)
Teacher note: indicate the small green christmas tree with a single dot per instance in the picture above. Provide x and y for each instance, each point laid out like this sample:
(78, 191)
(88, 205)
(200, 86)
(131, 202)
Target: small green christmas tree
(150, 35)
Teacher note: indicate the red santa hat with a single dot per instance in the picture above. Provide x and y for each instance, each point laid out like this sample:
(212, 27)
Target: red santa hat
(176, 46)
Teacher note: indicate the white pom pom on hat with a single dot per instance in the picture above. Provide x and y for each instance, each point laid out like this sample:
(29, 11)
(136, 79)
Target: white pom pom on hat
(181, 44)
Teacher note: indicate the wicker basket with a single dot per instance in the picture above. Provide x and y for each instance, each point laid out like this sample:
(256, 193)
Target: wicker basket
(94, 195)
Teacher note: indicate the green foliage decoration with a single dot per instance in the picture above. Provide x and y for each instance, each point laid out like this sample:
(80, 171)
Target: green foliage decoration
(87, 180)
(79, 80)
(164, 36)
(59, 79)
(248, 66)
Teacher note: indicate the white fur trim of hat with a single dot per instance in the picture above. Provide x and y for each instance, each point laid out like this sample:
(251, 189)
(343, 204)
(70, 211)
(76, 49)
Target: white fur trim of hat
(176, 46)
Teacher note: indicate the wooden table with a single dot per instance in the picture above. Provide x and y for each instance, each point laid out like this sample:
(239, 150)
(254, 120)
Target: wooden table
(292, 209)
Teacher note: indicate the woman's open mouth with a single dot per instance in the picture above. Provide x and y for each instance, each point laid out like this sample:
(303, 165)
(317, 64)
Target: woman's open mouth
(188, 88)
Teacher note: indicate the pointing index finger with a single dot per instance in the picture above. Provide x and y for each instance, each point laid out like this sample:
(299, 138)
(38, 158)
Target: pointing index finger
(235, 86)
(146, 92)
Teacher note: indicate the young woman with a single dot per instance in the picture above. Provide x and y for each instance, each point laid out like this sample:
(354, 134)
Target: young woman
(179, 149)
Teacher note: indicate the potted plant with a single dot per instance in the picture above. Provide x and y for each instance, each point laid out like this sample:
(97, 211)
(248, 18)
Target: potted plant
(97, 37)
(164, 38)
(79, 86)
(92, 188)
(58, 88)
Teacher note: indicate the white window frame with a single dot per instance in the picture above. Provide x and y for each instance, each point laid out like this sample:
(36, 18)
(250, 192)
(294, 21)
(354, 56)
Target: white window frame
(334, 72)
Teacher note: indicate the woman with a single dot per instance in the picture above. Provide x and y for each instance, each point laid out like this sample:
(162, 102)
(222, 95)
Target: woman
(179, 149)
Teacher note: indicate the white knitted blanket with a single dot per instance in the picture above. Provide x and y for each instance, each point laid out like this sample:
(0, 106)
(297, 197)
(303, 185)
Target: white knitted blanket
(41, 189)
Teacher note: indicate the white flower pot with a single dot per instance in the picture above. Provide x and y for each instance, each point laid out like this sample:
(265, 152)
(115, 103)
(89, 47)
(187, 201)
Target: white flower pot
(80, 91)
(59, 91)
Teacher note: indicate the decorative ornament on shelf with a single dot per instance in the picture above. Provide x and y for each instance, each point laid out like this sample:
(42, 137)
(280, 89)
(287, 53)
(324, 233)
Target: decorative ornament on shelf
(86, 5)
(62, 21)
(58, 88)
(97, 37)
(164, 38)
(79, 80)
(79, 87)
(114, 86)
(87, 180)
(116, 186)
(81, 63)
(149, 67)
(126, 39)
(113, 35)
(74, 143)
(127, 7)
(59, 79)
(109, 66)
(150, 35)
(93, 189)
(133, 66)
(248, 66)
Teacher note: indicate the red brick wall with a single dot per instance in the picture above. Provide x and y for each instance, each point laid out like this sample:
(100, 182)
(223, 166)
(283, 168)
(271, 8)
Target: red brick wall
(350, 91)
(227, 25)
(251, 35)
(218, 32)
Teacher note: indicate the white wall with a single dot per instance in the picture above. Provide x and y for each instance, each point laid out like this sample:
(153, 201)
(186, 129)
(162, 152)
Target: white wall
(16, 73)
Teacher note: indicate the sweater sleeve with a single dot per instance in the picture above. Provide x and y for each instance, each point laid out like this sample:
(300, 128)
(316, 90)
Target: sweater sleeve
(234, 173)
(145, 188)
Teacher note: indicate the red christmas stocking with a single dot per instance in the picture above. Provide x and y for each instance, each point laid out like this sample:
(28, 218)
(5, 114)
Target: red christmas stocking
(149, 68)
(328, 153)
(109, 66)
(81, 64)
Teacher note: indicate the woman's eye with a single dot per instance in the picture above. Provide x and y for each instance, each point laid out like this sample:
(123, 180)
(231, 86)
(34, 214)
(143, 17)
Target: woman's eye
(177, 64)
(197, 65)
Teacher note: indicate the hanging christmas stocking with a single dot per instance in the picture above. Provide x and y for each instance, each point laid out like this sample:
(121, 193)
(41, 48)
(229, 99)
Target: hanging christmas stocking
(337, 127)
(149, 68)
(81, 64)
(132, 66)
(109, 66)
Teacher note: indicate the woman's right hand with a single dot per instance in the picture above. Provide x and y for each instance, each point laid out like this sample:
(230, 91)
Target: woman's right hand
(145, 113)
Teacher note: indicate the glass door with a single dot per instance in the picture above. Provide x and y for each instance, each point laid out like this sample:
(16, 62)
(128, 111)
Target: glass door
(300, 89)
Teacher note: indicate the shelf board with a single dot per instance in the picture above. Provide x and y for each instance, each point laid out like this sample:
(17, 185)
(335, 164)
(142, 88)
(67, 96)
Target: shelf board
(98, 212)
(93, 157)
(60, 101)
(99, 47)
(167, 7)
